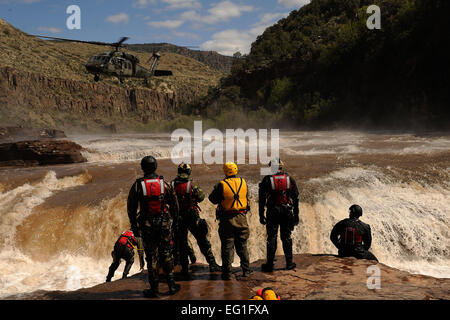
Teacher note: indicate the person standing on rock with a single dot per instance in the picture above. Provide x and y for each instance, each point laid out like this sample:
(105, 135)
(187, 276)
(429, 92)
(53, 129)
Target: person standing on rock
(231, 196)
(189, 195)
(158, 212)
(123, 249)
(279, 193)
(352, 237)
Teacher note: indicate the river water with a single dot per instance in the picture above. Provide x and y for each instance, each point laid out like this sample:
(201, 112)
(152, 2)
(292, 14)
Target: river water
(58, 224)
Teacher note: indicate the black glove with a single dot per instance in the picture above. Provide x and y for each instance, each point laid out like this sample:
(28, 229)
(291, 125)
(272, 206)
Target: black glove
(296, 220)
(262, 220)
(136, 232)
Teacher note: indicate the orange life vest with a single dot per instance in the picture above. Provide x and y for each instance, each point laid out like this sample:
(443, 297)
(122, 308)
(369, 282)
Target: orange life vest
(234, 195)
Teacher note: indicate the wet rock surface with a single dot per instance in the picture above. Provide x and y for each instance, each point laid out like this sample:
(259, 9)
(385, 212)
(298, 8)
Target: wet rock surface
(316, 277)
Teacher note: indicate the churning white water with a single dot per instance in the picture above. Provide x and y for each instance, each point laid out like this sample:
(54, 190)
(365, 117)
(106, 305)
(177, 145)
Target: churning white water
(401, 181)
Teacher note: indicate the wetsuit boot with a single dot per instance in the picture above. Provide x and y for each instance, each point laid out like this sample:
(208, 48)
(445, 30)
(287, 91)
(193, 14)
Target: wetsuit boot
(267, 267)
(213, 266)
(185, 272)
(287, 248)
(153, 292)
(289, 264)
(173, 287)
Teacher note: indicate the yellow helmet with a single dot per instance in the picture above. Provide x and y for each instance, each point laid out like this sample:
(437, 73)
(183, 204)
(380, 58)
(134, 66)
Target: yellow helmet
(256, 298)
(230, 169)
(269, 294)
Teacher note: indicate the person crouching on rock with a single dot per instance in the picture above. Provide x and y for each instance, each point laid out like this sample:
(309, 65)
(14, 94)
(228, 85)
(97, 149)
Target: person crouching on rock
(123, 249)
(158, 213)
(352, 237)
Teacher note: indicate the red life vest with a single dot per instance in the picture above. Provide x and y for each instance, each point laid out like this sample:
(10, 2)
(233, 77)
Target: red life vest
(280, 185)
(184, 194)
(127, 239)
(153, 191)
(350, 237)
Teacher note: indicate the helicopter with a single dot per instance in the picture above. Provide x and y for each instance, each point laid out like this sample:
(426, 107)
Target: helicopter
(118, 63)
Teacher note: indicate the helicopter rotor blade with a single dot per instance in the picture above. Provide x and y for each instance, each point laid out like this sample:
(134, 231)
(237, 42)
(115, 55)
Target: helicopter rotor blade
(72, 40)
(122, 40)
(116, 44)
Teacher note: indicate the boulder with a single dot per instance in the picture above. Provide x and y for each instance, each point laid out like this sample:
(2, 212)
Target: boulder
(40, 152)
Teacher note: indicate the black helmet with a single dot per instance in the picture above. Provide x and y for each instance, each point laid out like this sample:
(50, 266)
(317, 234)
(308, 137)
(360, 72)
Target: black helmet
(277, 162)
(149, 164)
(184, 168)
(355, 211)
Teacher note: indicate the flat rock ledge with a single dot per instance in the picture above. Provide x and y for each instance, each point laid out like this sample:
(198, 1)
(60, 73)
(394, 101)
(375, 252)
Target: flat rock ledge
(317, 277)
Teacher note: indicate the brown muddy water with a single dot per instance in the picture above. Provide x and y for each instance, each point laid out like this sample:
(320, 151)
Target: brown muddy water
(58, 224)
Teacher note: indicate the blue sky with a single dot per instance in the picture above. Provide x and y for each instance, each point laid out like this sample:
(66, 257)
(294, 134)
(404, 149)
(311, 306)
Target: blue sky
(225, 26)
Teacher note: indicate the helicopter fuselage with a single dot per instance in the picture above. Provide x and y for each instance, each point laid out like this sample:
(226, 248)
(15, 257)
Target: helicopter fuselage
(119, 64)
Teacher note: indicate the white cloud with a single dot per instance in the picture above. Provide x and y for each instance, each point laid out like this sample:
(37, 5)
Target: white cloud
(293, 3)
(182, 4)
(186, 35)
(119, 18)
(143, 3)
(170, 24)
(271, 18)
(222, 11)
(227, 42)
(49, 29)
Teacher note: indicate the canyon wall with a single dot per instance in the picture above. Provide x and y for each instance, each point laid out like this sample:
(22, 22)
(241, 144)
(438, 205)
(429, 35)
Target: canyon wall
(39, 93)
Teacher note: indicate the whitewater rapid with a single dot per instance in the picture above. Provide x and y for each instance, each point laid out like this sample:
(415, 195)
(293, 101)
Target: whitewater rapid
(57, 234)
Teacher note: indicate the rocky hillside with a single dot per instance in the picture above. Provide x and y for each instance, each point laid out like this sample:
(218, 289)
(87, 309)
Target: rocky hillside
(317, 277)
(44, 83)
(209, 58)
(34, 100)
(321, 67)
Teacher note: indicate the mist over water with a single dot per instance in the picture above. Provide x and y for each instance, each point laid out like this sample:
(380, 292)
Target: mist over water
(57, 230)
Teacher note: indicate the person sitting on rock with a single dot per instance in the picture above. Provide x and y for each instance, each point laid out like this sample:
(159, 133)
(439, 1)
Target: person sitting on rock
(123, 249)
(352, 237)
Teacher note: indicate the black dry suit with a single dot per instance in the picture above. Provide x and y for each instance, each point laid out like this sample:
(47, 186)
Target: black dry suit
(279, 193)
(154, 223)
(353, 238)
(189, 195)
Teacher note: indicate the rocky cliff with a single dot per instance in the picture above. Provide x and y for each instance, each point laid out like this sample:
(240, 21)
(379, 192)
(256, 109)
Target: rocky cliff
(37, 94)
(209, 58)
(322, 277)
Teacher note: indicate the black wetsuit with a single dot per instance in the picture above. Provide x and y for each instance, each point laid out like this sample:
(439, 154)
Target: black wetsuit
(279, 217)
(156, 230)
(358, 248)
